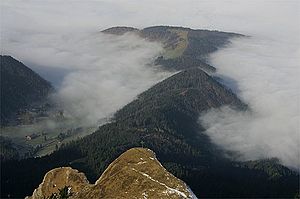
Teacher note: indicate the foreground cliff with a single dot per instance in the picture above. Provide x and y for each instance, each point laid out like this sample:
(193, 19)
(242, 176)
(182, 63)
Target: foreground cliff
(134, 174)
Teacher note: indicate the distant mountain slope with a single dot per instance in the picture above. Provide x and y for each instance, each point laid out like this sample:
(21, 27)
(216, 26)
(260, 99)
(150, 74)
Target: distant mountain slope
(164, 119)
(184, 47)
(134, 174)
(20, 87)
(179, 100)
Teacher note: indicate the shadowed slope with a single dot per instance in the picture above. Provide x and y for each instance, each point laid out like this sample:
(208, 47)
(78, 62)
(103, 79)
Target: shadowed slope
(20, 88)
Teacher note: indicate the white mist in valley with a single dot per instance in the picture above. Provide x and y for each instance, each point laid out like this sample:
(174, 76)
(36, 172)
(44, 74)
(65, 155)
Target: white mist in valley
(95, 74)
(110, 72)
(266, 74)
(102, 72)
(264, 71)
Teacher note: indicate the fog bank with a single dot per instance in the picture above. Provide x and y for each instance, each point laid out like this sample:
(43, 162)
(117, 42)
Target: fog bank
(109, 72)
(265, 68)
(267, 75)
(97, 73)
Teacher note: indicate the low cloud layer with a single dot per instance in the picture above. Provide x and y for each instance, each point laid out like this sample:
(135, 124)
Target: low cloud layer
(109, 72)
(95, 74)
(103, 72)
(267, 76)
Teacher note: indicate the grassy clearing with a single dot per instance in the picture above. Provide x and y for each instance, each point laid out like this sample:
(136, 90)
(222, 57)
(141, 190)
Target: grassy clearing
(181, 44)
(47, 132)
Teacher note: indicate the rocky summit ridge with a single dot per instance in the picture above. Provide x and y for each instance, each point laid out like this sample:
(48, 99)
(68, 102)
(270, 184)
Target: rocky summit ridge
(134, 174)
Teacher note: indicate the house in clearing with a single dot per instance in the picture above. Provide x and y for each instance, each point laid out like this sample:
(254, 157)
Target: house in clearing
(31, 137)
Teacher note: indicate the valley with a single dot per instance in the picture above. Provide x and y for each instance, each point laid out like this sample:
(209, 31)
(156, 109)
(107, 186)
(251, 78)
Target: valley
(44, 137)
(32, 122)
(163, 118)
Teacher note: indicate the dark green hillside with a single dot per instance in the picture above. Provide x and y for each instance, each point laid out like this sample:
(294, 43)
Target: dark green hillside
(199, 42)
(7, 152)
(186, 61)
(185, 94)
(203, 42)
(20, 87)
(164, 119)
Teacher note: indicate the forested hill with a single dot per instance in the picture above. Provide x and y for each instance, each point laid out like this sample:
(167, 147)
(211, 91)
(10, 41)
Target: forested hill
(165, 120)
(183, 47)
(20, 87)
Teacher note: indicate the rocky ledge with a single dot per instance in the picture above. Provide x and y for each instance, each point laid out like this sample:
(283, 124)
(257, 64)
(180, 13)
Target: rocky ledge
(134, 174)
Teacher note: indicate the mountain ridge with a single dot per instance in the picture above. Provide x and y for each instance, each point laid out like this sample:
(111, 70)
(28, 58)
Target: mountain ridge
(183, 47)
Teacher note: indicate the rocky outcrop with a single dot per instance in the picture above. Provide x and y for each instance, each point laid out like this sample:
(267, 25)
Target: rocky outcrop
(134, 174)
(59, 178)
